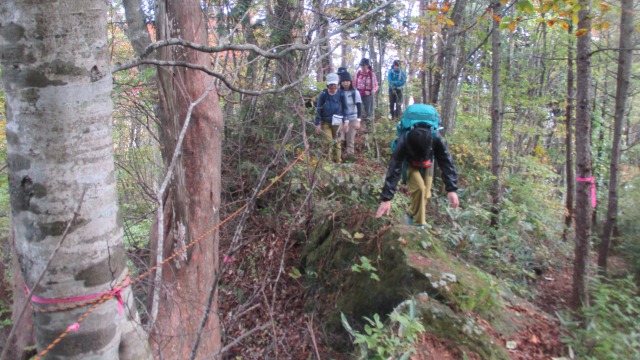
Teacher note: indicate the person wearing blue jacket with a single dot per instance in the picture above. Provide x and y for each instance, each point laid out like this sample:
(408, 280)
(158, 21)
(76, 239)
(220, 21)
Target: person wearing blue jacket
(397, 78)
(331, 114)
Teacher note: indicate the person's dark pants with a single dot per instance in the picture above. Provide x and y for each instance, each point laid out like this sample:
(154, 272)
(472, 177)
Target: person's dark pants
(395, 103)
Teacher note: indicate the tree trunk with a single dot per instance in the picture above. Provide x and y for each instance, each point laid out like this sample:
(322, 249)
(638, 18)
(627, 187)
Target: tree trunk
(583, 158)
(57, 77)
(193, 199)
(425, 57)
(451, 73)
(496, 118)
(625, 58)
(568, 217)
(283, 21)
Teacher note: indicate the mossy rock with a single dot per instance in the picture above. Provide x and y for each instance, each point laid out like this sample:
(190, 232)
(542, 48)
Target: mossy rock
(464, 304)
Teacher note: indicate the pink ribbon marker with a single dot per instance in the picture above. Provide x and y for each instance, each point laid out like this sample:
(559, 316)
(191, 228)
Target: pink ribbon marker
(116, 292)
(592, 181)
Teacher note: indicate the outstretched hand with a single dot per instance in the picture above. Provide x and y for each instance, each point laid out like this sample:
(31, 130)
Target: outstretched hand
(453, 199)
(383, 209)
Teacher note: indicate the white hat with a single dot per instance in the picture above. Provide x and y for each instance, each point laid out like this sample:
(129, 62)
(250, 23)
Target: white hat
(333, 79)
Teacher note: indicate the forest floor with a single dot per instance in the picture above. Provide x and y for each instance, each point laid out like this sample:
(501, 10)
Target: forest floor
(250, 298)
(295, 333)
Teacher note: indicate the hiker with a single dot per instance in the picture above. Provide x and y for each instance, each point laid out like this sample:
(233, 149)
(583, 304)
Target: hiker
(418, 147)
(367, 84)
(397, 78)
(331, 114)
(354, 110)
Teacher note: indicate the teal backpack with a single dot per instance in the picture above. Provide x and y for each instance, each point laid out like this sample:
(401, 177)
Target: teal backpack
(416, 114)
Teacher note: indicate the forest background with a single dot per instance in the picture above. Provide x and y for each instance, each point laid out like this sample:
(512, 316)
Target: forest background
(532, 95)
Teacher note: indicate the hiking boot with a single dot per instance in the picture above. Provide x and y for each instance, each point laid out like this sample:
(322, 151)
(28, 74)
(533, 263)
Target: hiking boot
(420, 227)
(407, 219)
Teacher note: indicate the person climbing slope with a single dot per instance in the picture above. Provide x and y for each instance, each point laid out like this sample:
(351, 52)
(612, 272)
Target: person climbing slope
(418, 147)
(331, 114)
(366, 83)
(354, 106)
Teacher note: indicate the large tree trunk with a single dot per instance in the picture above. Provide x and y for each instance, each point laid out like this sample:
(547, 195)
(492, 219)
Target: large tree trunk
(583, 158)
(625, 58)
(496, 117)
(57, 78)
(193, 199)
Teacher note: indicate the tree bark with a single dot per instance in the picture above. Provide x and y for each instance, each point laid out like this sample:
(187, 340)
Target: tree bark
(568, 217)
(625, 58)
(583, 158)
(496, 117)
(57, 78)
(192, 202)
(451, 65)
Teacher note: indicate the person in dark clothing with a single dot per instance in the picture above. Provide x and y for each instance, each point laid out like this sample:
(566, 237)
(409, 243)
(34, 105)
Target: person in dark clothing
(331, 115)
(418, 147)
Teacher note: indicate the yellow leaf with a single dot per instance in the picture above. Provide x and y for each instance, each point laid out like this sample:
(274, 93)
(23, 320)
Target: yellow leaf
(504, 2)
(575, 19)
(496, 18)
(450, 22)
(564, 25)
(582, 32)
(512, 26)
(551, 23)
(605, 25)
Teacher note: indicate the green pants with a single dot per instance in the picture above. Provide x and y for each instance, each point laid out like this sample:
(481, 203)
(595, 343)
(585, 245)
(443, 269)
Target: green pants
(419, 193)
(335, 152)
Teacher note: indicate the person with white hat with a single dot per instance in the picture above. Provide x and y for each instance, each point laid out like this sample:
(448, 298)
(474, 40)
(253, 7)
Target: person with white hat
(331, 114)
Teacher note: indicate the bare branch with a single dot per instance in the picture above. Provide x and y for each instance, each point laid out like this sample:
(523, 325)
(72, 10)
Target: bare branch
(269, 54)
(232, 247)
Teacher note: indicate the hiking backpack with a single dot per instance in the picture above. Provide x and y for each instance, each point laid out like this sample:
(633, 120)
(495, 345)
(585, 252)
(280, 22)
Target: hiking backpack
(414, 115)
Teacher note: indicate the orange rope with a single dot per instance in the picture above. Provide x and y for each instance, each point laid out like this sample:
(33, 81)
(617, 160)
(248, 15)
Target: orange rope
(96, 303)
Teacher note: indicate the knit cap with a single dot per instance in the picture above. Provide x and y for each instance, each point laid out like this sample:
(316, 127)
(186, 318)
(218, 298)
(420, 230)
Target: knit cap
(345, 76)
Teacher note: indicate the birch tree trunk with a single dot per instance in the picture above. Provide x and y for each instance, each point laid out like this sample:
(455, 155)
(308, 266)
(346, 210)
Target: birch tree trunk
(192, 202)
(625, 58)
(57, 78)
(583, 157)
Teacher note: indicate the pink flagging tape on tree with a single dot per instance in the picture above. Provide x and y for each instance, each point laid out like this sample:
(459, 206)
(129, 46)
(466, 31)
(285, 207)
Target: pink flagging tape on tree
(115, 292)
(592, 181)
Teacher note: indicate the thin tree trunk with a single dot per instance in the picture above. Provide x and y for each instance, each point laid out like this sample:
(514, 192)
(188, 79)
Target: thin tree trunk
(568, 218)
(450, 73)
(625, 59)
(496, 118)
(60, 146)
(583, 158)
(425, 58)
(193, 201)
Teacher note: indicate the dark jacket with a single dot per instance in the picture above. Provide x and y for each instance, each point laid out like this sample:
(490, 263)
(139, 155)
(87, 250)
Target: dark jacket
(329, 105)
(402, 152)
